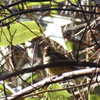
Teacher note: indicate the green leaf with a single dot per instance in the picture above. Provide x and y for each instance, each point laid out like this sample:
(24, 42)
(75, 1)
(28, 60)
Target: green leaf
(94, 97)
(2, 88)
(95, 94)
(74, 1)
(69, 46)
(19, 33)
(32, 98)
(35, 76)
(55, 95)
(60, 0)
(29, 4)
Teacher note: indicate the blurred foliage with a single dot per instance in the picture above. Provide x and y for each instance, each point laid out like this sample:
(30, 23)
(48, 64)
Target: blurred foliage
(55, 95)
(24, 36)
(17, 33)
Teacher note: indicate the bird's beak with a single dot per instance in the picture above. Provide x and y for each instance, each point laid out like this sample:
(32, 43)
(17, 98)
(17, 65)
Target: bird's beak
(45, 50)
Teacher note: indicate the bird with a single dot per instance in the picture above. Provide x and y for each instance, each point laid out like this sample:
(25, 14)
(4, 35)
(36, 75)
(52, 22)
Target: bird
(51, 56)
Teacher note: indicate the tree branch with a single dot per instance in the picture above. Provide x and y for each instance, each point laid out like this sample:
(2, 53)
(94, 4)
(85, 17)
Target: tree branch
(21, 1)
(43, 9)
(48, 81)
(57, 64)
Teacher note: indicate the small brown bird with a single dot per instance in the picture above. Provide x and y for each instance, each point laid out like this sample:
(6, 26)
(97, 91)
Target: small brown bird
(50, 56)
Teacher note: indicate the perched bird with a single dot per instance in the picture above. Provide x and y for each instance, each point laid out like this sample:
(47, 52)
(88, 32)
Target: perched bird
(52, 56)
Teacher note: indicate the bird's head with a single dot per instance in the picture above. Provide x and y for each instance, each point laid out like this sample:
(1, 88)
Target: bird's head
(49, 49)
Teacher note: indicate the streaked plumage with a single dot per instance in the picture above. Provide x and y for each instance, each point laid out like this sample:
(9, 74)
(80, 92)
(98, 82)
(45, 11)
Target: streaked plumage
(51, 55)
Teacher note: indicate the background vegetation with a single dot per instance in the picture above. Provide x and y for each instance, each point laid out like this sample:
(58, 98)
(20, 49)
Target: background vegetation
(71, 26)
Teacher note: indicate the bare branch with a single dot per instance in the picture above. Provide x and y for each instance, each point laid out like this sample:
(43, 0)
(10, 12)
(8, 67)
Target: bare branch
(48, 81)
(57, 64)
